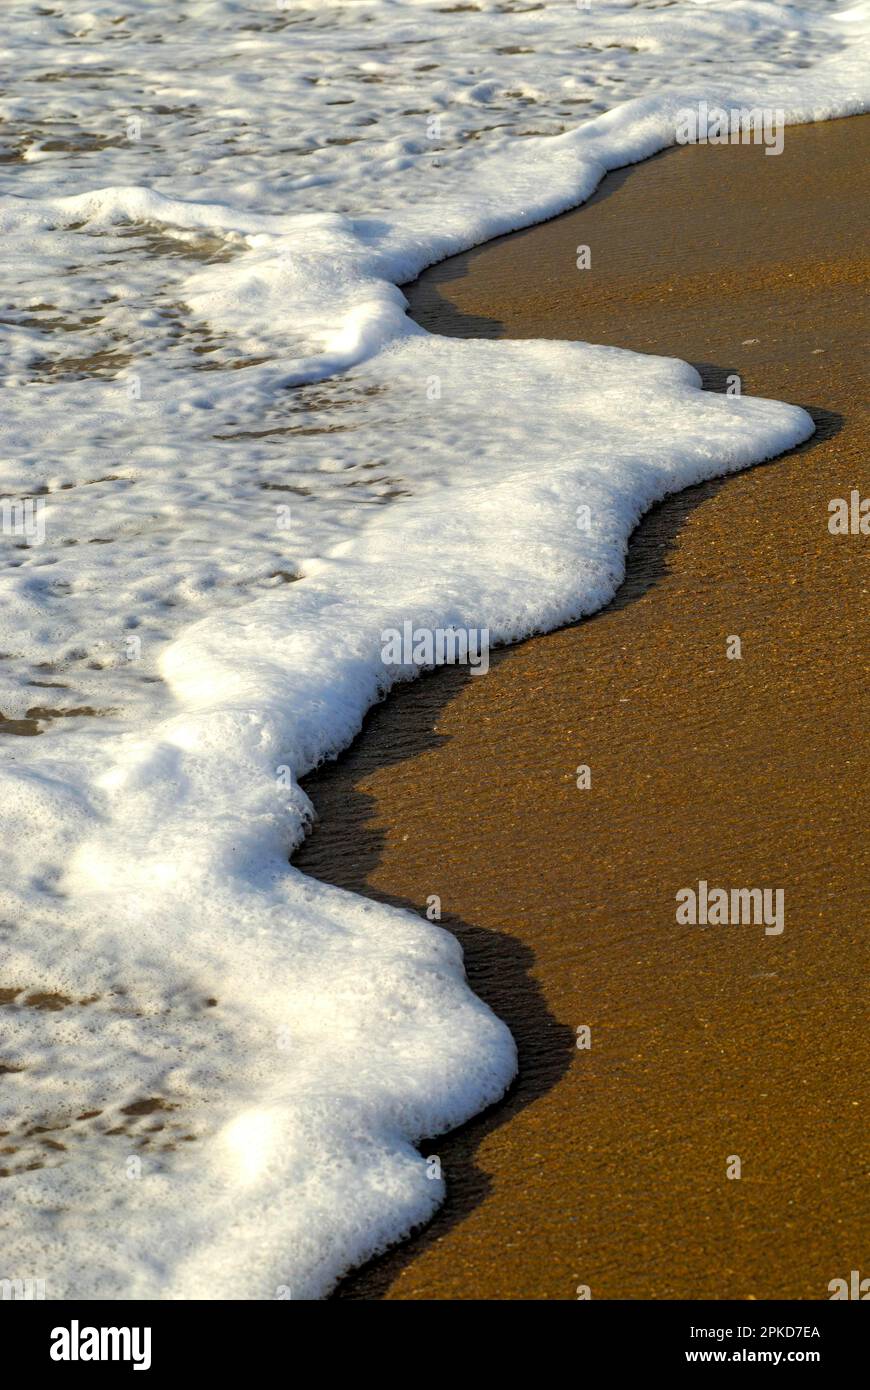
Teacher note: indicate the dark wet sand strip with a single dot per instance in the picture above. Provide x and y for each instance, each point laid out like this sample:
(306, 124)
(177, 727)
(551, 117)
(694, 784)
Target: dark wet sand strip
(607, 1167)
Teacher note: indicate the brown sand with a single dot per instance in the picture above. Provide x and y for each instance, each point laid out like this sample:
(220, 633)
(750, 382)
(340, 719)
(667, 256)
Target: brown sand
(607, 1167)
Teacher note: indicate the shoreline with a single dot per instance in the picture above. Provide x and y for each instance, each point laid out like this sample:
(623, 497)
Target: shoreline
(607, 1167)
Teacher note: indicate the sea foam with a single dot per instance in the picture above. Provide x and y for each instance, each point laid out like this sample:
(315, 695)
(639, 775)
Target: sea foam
(251, 464)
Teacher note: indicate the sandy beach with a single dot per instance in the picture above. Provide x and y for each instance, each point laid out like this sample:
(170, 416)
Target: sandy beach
(434, 509)
(606, 1167)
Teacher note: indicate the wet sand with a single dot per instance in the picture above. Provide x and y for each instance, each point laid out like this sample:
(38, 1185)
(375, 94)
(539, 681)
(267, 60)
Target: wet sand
(607, 1167)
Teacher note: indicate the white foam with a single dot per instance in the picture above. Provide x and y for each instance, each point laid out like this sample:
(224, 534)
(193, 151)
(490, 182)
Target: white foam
(197, 279)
